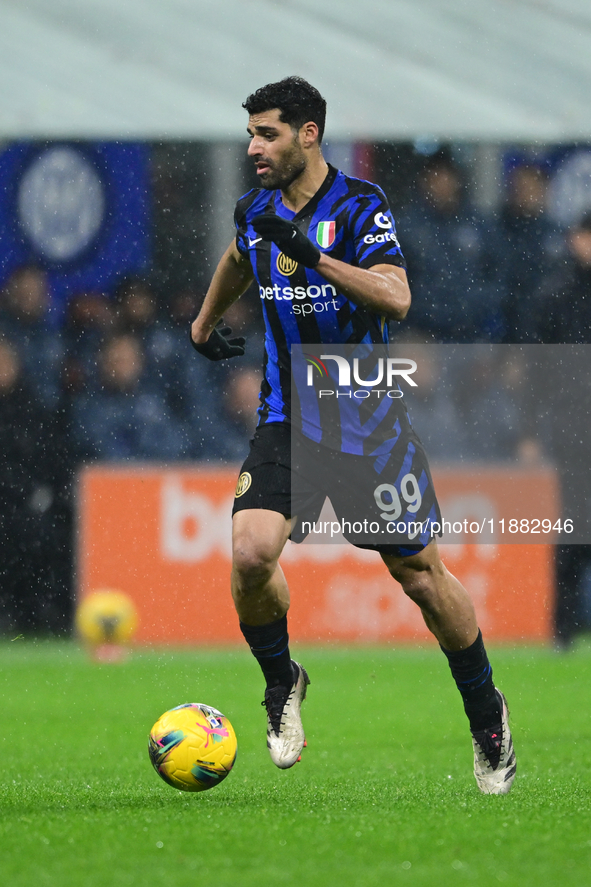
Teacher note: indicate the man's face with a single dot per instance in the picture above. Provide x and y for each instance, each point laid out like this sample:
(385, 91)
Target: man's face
(580, 246)
(9, 368)
(528, 191)
(122, 363)
(28, 294)
(277, 152)
(441, 186)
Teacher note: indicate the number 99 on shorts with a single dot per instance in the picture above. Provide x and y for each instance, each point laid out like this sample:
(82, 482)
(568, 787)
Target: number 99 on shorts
(388, 499)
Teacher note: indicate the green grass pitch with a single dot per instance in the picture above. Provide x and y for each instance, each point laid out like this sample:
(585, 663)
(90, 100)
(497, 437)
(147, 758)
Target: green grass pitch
(384, 795)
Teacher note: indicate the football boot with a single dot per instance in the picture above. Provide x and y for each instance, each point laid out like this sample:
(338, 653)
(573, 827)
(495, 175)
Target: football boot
(285, 733)
(494, 756)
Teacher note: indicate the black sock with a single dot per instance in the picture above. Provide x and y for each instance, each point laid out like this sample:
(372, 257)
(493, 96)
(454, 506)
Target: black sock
(269, 644)
(472, 673)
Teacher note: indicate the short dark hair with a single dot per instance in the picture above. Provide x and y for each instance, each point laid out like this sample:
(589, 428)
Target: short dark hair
(297, 100)
(441, 159)
(585, 222)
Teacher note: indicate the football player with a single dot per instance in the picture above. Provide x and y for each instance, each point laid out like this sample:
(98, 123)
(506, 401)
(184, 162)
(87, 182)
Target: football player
(323, 250)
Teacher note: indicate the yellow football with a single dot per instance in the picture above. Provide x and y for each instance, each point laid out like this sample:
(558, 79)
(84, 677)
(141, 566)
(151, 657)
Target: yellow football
(106, 616)
(192, 747)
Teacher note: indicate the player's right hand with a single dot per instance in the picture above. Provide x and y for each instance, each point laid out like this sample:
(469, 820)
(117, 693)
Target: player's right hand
(287, 236)
(219, 346)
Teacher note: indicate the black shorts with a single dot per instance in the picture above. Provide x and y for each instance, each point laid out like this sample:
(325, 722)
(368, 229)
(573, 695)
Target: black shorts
(288, 473)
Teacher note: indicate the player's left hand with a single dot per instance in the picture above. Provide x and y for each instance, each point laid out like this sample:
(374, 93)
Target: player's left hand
(220, 346)
(288, 237)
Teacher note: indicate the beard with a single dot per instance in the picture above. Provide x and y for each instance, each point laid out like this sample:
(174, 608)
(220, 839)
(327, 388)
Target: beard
(284, 172)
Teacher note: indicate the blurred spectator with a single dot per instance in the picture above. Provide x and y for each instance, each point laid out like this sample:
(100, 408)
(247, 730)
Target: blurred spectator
(488, 383)
(468, 401)
(573, 564)
(246, 319)
(430, 405)
(560, 385)
(127, 418)
(136, 305)
(564, 312)
(137, 313)
(35, 513)
(189, 388)
(170, 352)
(90, 318)
(528, 249)
(450, 259)
(184, 307)
(236, 422)
(24, 319)
(565, 317)
(194, 387)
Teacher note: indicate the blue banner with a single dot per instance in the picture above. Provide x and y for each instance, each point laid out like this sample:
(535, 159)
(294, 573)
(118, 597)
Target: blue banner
(80, 210)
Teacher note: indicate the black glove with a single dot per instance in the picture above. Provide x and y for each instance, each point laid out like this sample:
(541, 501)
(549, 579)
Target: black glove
(288, 238)
(219, 346)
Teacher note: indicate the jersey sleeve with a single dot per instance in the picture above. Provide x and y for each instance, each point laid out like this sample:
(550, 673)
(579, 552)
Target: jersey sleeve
(240, 223)
(374, 232)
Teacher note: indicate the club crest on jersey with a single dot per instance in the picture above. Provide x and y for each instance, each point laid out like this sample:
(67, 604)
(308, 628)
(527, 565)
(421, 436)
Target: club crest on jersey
(285, 265)
(244, 482)
(325, 234)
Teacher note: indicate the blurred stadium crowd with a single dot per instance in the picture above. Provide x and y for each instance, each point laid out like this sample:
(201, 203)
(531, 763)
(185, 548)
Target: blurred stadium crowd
(119, 381)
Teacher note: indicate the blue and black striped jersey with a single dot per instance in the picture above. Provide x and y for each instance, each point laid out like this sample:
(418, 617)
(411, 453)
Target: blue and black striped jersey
(350, 220)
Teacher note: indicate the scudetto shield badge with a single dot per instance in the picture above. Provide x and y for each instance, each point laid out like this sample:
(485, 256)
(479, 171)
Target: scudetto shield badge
(325, 234)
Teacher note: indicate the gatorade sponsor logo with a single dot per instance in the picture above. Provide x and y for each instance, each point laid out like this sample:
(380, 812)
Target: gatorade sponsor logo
(386, 237)
(382, 220)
